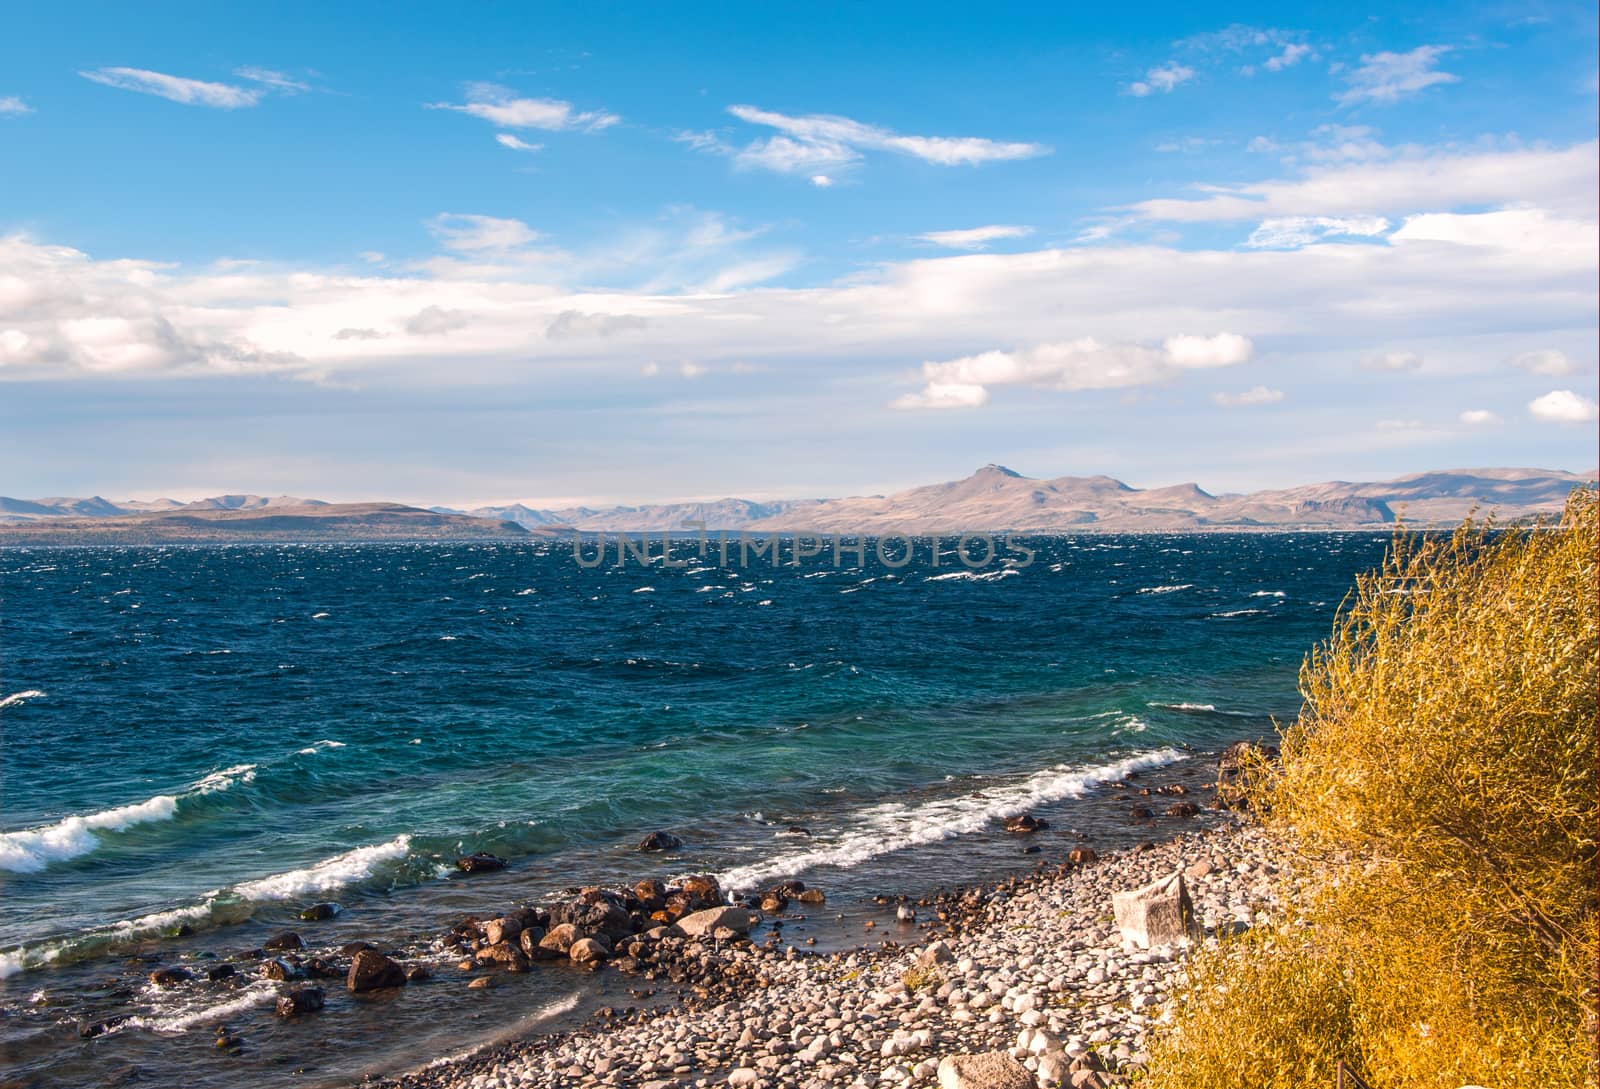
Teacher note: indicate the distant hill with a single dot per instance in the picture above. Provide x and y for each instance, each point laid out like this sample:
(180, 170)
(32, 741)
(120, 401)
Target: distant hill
(268, 520)
(992, 499)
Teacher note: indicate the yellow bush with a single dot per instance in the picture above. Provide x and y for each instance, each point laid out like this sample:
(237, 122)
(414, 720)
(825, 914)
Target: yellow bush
(1440, 786)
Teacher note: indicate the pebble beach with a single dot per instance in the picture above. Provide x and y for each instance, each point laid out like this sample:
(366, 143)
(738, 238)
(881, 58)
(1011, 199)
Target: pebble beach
(1028, 982)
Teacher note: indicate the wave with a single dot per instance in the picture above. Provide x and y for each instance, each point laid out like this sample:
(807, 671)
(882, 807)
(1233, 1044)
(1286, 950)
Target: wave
(219, 907)
(972, 576)
(1167, 589)
(319, 746)
(193, 1009)
(1242, 612)
(16, 699)
(330, 873)
(1182, 706)
(894, 826)
(37, 849)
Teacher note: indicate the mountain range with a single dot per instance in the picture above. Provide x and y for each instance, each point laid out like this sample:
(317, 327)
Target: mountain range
(992, 499)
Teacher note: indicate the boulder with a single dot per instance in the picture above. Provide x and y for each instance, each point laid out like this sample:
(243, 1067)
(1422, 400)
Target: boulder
(220, 971)
(300, 1000)
(561, 938)
(989, 1070)
(317, 913)
(594, 913)
(481, 862)
(1025, 824)
(585, 950)
(1183, 809)
(504, 929)
(170, 977)
(529, 939)
(705, 922)
(651, 894)
(372, 971)
(502, 953)
(1159, 913)
(660, 841)
(1082, 856)
(812, 896)
(937, 952)
(278, 969)
(702, 890)
(288, 940)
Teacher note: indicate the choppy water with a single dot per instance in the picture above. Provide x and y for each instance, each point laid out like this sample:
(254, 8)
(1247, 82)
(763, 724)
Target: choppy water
(216, 737)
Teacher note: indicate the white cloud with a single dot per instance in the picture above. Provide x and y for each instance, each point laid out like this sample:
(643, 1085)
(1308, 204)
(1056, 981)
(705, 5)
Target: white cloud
(1162, 79)
(515, 143)
(821, 181)
(11, 105)
(1292, 54)
(691, 370)
(1393, 361)
(480, 234)
(1082, 364)
(814, 144)
(500, 106)
(275, 80)
(1389, 77)
(190, 92)
(1291, 232)
(937, 395)
(1255, 395)
(1547, 361)
(974, 238)
(1479, 417)
(1563, 406)
(1560, 181)
(1400, 425)
(571, 324)
(650, 370)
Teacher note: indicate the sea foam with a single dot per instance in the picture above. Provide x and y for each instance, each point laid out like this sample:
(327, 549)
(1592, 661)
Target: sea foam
(894, 826)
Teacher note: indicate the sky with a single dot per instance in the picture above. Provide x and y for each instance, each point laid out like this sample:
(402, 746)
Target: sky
(610, 253)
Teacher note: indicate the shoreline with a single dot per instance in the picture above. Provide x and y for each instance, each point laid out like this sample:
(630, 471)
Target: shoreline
(1033, 966)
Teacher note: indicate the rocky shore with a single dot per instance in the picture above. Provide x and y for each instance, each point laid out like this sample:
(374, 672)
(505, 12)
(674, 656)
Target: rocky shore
(1031, 982)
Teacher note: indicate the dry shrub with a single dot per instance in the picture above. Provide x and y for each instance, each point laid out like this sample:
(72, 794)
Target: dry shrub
(1439, 786)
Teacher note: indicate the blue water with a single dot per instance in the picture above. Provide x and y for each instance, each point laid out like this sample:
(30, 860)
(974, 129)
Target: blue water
(216, 737)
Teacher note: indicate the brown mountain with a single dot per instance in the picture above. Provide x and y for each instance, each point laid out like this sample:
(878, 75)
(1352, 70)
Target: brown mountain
(266, 521)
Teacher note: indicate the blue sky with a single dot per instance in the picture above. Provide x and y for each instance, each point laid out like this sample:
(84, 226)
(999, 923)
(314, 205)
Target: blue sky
(633, 252)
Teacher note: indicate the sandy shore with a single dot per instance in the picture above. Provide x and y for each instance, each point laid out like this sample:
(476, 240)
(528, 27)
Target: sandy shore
(1034, 967)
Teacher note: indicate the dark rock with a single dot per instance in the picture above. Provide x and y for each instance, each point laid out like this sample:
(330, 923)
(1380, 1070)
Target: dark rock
(529, 939)
(170, 977)
(220, 971)
(1082, 856)
(482, 862)
(594, 912)
(651, 894)
(798, 830)
(300, 1000)
(502, 953)
(1183, 809)
(1025, 824)
(90, 1029)
(660, 841)
(371, 971)
(317, 913)
(702, 890)
(1140, 813)
(323, 968)
(416, 973)
(500, 930)
(279, 969)
(811, 896)
(288, 940)
(350, 949)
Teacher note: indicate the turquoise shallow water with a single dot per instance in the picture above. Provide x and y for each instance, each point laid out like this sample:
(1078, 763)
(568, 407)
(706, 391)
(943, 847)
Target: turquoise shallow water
(214, 737)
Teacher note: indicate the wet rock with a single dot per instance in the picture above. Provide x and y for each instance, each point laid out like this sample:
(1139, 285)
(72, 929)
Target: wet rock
(560, 938)
(502, 953)
(702, 890)
(660, 841)
(288, 940)
(594, 913)
(1082, 856)
(481, 983)
(990, 1070)
(323, 968)
(220, 971)
(529, 939)
(350, 949)
(418, 973)
(587, 950)
(651, 894)
(372, 971)
(1183, 809)
(170, 977)
(1159, 913)
(300, 1000)
(1140, 813)
(798, 830)
(1026, 824)
(279, 969)
(812, 896)
(317, 913)
(90, 1029)
(481, 862)
(505, 929)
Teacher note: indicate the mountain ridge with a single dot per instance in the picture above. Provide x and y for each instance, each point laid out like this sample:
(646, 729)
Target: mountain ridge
(994, 498)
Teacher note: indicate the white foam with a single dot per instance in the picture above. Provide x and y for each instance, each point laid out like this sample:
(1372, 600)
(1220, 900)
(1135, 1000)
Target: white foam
(972, 576)
(1268, 593)
(1184, 706)
(37, 848)
(1167, 589)
(193, 1010)
(894, 826)
(17, 698)
(1242, 612)
(645, 590)
(319, 746)
(330, 873)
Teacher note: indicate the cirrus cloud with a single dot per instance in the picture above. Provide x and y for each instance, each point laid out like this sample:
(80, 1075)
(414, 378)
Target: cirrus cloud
(190, 92)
